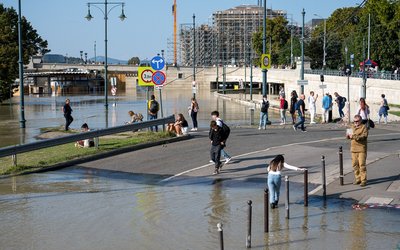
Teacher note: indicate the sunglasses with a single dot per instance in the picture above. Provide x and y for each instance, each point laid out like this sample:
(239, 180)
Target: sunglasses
(356, 121)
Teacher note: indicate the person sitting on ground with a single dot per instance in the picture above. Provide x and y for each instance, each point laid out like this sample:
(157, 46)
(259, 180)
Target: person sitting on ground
(87, 143)
(180, 127)
(134, 117)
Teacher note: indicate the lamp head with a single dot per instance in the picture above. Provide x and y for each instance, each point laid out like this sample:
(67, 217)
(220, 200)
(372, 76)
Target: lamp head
(88, 16)
(122, 16)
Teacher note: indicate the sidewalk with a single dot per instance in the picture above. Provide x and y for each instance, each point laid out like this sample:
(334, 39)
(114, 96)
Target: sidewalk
(383, 185)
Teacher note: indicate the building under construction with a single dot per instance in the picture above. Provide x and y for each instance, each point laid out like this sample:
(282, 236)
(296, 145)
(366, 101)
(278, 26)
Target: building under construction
(227, 40)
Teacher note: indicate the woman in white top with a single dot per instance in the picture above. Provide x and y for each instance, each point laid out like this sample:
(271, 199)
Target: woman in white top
(312, 106)
(363, 111)
(274, 178)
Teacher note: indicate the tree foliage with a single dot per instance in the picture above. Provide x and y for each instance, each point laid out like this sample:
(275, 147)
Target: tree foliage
(31, 41)
(134, 61)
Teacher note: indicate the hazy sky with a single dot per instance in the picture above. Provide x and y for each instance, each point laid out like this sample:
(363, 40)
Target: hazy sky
(144, 33)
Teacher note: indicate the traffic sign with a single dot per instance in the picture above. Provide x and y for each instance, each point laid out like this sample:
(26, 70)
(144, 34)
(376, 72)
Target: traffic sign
(302, 82)
(265, 61)
(145, 75)
(322, 86)
(157, 63)
(158, 78)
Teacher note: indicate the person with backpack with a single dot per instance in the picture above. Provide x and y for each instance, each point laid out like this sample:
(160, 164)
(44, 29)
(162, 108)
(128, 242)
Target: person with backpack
(292, 110)
(153, 107)
(264, 113)
(341, 102)
(301, 109)
(217, 143)
(225, 134)
(326, 105)
(311, 103)
(282, 108)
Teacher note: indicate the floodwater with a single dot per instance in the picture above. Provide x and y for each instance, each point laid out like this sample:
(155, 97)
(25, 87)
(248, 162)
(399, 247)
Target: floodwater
(45, 111)
(78, 208)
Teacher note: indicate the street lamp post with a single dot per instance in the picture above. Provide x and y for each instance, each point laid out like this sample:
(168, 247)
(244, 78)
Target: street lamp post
(106, 11)
(324, 46)
(22, 120)
(303, 13)
(264, 39)
(194, 56)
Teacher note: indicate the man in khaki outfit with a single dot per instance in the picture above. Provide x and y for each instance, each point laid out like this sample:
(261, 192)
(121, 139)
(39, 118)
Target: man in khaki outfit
(358, 150)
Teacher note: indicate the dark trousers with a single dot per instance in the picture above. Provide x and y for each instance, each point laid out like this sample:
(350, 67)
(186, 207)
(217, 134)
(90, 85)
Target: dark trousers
(194, 118)
(215, 153)
(153, 117)
(302, 119)
(330, 117)
(341, 113)
(68, 120)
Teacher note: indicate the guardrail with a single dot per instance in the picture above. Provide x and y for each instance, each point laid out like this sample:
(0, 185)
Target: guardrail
(374, 75)
(14, 150)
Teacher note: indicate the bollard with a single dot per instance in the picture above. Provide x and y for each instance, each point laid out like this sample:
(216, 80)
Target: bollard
(251, 116)
(14, 160)
(287, 196)
(323, 177)
(221, 236)
(96, 142)
(341, 165)
(248, 238)
(306, 188)
(266, 212)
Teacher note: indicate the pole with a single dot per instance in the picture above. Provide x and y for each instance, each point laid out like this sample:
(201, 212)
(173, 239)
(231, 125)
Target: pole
(266, 212)
(324, 61)
(264, 71)
(306, 188)
(248, 238)
(369, 35)
(341, 165)
(194, 53)
(323, 177)
(95, 52)
(303, 13)
(221, 236)
(251, 80)
(364, 82)
(22, 120)
(291, 44)
(287, 196)
(105, 59)
(223, 79)
(348, 99)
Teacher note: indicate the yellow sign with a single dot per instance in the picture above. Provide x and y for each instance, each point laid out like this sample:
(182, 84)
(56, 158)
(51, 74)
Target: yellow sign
(266, 61)
(145, 75)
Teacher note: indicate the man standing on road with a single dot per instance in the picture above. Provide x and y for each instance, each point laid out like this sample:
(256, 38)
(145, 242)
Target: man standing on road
(301, 108)
(220, 123)
(264, 113)
(153, 107)
(67, 110)
(326, 105)
(217, 143)
(358, 136)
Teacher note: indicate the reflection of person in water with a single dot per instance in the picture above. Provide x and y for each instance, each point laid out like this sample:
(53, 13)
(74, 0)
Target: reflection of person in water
(357, 231)
(218, 204)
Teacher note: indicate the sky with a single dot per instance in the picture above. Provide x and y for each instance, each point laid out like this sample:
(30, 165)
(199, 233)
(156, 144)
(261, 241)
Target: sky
(148, 25)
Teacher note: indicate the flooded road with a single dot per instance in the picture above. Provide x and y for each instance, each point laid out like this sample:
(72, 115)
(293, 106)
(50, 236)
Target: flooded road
(45, 111)
(80, 208)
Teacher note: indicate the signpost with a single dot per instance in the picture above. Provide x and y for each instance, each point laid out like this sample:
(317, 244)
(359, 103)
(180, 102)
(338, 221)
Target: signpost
(265, 61)
(157, 63)
(302, 82)
(158, 77)
(145, 75)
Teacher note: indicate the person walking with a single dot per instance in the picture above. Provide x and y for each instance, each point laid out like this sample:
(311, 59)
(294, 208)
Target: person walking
(222, 125)
(217, 143)
(292, 110)
(330, 109)
(274, 178)
(67, 110)
(301, 108)
(358, 135)
(264, 113)
(312, 99)
(153, 108)
(193, 110)
(363, 111)
(282, 108)
(383, 109)
(326, 105)
(340, 101)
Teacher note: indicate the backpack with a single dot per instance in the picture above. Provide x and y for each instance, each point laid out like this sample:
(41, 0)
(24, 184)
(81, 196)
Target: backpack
(154, 107)
(285, 105)
(344, 99)
(264, 106)
(225, 131)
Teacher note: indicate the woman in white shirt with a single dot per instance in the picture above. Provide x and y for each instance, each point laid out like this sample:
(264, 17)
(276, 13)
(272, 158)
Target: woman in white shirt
(274, 178)
(312, 106)
(363, 111)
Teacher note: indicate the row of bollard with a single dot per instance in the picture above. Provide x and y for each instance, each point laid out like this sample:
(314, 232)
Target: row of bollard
(287, 203)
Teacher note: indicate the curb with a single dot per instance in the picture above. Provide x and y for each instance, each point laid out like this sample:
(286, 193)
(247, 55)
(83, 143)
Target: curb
(102, 155)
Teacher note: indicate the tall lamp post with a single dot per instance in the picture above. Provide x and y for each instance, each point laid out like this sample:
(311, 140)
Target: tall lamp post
(324, 46)
(264, 39)
(22, 120)
(303, 13)
(105, 12)
(194, 56)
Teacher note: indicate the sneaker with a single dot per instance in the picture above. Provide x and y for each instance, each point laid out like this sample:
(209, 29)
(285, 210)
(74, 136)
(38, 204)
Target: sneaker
(193, 129)
(355, 182)
(312, 122)
(227, 160)
(363, 184)
(282, 123)
(259, 128)
(265, 127)
(211, 161)
(216, 171)
(304, 131)
(294, 128)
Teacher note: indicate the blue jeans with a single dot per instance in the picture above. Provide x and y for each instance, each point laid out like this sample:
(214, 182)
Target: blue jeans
(224, 154)
(341, 113)
(302, 119)
(263, 119)
(274, 186)
(153, 117)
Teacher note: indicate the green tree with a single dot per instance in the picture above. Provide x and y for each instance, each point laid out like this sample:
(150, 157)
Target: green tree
(134, 61)
(32, 44)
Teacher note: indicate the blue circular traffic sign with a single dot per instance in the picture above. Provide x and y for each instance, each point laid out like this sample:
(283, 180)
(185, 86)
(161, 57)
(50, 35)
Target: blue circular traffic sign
(157, 63)
(158, 78)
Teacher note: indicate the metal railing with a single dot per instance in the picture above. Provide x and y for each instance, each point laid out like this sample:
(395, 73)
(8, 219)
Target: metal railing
(374, 75)
(18, 149)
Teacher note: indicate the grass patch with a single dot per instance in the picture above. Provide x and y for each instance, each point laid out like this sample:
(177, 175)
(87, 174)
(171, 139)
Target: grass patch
(394, 105)
(57, 129)
(50, 156)
(396, 113)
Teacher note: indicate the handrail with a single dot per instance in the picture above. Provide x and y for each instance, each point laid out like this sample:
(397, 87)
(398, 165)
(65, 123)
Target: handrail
(18, 149)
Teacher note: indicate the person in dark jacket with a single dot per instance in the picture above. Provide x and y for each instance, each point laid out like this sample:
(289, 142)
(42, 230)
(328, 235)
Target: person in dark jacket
(67, 110)
(217, 144)
(293, 100)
